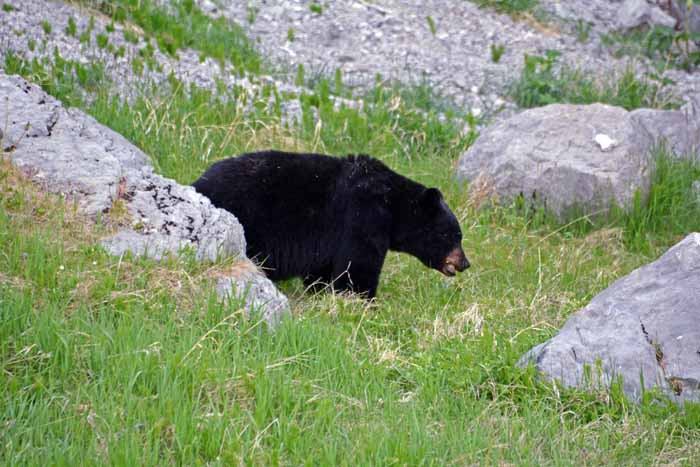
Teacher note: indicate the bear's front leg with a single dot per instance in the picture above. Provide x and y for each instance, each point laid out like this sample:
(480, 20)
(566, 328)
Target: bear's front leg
(319, 280)
(358, 265)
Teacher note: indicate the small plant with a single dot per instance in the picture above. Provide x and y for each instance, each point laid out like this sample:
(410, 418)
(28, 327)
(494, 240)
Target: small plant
(316, 8)
(431, 24)
(541, 83)
(167, 44)
(102, 40)
(508, 6)
(251, 14)
(290, 34)
(110, 27)
(46, 26)
(131, 36)
(86, 35)
(300, 75)
(31, 44)
(665, 46)
(85, 38)
(6, 7)
(496, 52)
(137, 66)
(120, 52)
(583, 30)
(72, 28)
(338, 82)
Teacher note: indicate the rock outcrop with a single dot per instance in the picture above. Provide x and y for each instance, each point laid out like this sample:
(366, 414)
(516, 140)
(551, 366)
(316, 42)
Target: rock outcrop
(576, 157)
(645, 328)
(70, 153)
(636, 13)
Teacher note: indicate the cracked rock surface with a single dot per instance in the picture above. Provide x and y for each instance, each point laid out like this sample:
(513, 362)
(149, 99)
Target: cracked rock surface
(646, 324)
(168, 216)
(65, 150)
(576, 157)
(68, 152)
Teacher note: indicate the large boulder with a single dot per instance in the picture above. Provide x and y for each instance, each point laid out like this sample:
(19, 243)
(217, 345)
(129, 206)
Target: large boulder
(166, 217)
(65, 150)
(70, 153)
(636, 13)
(687, 16)
(645, 328)
(576, 158)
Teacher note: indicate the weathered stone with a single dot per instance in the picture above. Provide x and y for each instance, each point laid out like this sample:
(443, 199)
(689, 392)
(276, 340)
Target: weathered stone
(636, 13)
(633, 13)
(63, 149)
(261, 297)
(167, 217)
(552, 157)
(68, 152)
(678, 130)
(577, 157)
(688, 17)
(644, 327)
(659, 17)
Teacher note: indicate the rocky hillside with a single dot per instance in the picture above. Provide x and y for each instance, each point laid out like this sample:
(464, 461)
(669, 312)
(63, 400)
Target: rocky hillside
(565, 136)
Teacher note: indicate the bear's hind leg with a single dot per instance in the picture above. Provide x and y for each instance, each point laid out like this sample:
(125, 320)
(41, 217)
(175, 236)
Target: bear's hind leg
(360, 271)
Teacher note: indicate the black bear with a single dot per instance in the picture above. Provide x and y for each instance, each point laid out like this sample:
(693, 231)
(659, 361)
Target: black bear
(331, 219)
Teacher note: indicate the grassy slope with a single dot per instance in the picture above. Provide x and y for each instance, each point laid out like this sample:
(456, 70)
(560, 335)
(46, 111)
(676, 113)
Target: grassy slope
(131, 362)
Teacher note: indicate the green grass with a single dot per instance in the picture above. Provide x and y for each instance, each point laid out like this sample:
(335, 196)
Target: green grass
(46, 26)
(184, 25)
(72, 28)
(670, 210)
(130, 362)
(316, 8)
(664, 46)
(543, 82)
(673, 207)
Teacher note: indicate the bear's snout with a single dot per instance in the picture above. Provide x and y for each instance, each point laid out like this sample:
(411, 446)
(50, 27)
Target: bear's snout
(454, 262)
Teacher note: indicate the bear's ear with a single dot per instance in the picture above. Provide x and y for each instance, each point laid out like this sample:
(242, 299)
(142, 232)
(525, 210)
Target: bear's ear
(430, 199)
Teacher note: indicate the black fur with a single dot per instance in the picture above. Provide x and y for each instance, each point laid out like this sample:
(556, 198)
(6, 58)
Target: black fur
(329, 219)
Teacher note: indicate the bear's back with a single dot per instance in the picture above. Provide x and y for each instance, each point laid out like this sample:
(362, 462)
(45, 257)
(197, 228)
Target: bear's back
(283, 200)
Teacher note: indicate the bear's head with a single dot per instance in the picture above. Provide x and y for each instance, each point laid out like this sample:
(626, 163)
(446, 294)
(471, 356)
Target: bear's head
(427, 229)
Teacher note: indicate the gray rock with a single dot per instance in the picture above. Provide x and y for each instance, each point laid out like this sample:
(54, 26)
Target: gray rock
(645, 326)
(65, 150)
(68, 152)
(636, 13)
(262, 299)
(577, 157)
(168, 217)
(660, 18)
(550, 156)
(687, 17)
(678, 130)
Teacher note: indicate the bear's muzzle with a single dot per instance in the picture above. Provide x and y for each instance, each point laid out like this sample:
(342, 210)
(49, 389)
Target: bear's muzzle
(455, 261)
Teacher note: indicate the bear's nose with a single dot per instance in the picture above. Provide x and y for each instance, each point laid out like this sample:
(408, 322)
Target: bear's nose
(463, 264)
